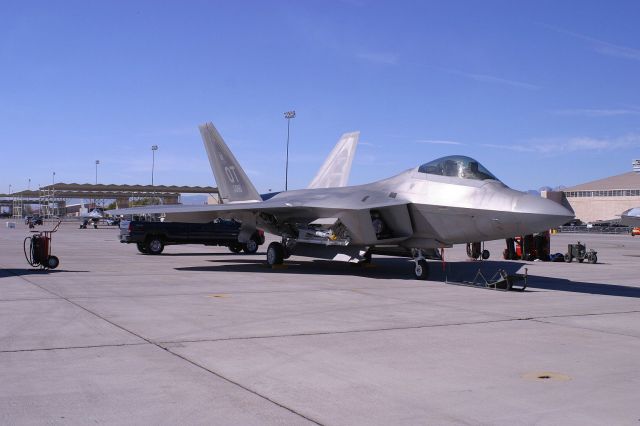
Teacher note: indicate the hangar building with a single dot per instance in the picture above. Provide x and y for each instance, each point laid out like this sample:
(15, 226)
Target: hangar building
(605, 199)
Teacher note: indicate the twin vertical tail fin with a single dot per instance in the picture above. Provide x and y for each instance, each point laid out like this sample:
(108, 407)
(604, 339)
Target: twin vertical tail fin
(337, 167)
(233, 183)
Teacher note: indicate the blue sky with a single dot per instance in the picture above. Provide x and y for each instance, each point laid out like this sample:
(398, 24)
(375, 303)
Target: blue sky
(550, 85)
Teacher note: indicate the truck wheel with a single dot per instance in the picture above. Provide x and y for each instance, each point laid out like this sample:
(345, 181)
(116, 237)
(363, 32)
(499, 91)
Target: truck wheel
(141, 248)
(52, 262)
(421, 269)
(593, 259)
(275, 253)
(568, 258)
(251, 246)
(235, 248)
(155, 245)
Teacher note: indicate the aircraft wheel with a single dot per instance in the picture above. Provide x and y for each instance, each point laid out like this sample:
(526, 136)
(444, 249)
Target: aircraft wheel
(155, 246)
(235, 248)
(421, 269)
(250, 247)
(141, 248)
(275, 253)
(485, 254)
(53, 262)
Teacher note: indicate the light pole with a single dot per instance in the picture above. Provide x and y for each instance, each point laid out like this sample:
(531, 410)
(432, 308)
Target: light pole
(9, 189)
(154, 148)
(29, 185)
(288, 115)
(97, 162)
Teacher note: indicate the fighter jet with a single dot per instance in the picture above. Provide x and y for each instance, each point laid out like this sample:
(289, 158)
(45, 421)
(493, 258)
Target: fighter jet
(447, 201)
(94, 216)
(631, 217)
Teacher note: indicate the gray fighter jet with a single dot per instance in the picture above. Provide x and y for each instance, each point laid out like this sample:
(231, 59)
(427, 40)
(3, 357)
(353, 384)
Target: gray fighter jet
(631, 217)
(447, 201)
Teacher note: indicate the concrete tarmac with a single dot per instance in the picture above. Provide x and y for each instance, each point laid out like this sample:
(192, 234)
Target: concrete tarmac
(202, 336)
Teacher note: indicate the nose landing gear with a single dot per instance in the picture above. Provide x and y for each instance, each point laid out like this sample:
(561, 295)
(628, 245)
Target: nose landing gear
(421, 266)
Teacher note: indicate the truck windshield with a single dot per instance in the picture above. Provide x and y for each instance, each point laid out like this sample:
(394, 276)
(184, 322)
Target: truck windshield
(457, 166)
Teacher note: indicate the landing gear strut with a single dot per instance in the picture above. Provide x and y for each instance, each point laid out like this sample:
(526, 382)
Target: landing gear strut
(421, 267)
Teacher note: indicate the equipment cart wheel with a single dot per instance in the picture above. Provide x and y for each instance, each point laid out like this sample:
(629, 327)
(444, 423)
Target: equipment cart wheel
(141, 248)
(250, 247)
(421, 269)
(53, 262)
(155, 245)
(275, 253)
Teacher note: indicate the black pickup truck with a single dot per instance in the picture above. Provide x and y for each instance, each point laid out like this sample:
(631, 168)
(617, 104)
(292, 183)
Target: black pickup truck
(151, 237)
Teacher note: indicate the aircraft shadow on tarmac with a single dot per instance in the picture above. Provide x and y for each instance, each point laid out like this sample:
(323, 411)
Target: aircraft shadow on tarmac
(6, 273)
(196, 254)
(397, 268)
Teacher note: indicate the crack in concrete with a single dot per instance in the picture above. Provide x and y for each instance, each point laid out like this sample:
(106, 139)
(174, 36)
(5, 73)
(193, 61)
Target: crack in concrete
(113, 345)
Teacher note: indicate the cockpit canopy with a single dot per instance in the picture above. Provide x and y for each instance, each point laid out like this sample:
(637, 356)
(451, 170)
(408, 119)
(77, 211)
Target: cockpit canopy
(457, 166)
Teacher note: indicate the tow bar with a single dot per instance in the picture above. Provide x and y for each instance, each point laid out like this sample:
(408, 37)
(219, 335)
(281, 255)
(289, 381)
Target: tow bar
(39, 250)
(501, 281)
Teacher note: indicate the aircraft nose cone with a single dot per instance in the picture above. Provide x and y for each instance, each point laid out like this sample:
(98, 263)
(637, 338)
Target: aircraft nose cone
(544, 213)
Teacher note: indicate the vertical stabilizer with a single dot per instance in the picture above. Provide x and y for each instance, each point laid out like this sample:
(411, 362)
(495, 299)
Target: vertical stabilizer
(233, 183)
(337, 167)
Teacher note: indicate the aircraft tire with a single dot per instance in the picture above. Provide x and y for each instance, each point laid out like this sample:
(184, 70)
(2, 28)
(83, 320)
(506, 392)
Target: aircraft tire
(155, 246)
(421, 269)
(250, 247)
(275, 253)
(141, 248)
(485, 254)
(53, 262)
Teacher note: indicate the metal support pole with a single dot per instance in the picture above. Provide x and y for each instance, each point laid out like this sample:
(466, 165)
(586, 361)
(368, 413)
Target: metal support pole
(288, 115)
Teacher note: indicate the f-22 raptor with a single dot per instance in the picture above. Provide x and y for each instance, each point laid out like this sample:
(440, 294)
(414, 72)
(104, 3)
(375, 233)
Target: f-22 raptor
(450, 200)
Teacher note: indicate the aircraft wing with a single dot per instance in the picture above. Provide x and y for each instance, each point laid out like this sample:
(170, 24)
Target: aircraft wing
(354, 216)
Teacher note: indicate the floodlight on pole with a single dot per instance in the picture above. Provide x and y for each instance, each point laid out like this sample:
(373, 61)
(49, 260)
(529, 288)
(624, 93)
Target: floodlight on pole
(97, 162)
(288, 115)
